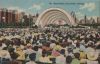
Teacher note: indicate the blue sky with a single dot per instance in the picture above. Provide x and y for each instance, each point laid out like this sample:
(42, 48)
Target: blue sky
(80, 7)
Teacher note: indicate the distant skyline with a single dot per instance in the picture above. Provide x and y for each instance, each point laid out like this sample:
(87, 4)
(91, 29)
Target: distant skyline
(91, 8)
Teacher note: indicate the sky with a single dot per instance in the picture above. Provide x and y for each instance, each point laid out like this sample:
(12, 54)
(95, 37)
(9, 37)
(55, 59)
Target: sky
(91, 8)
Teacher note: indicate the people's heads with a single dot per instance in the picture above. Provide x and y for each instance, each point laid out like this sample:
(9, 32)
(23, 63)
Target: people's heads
(62, 51)
(0, 43)
(17, 41)
(11, 49)
(52, 41)
(35, 48)
(90, 44)
(68, 59)
(70, 50)
(18, 49)
(5, 48)
(32, 56)
(29, 45)
(44, 53)
(77, 45)
(47, 44)
(57, 43)
(77, 55)
(64, 45)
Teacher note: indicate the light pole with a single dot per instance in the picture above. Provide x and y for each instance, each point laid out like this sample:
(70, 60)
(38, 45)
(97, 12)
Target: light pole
(22, 22)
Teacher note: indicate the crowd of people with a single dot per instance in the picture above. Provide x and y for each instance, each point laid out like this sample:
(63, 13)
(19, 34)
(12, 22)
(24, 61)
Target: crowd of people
(49, 46)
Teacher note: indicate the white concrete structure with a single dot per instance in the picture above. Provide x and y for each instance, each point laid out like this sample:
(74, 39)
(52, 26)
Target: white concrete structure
(52, 15)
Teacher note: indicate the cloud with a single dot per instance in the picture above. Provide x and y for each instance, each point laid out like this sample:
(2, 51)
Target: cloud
(36, 6)
(16, 8)
(79, 15)
(89, 6)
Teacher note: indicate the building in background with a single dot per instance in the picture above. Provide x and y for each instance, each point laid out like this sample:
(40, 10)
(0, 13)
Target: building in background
(12, 16)
(92, 20)
(74, 16)
(3, 12)
(98, 19)
(8, 16)
(35, 17)
(87, 20)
